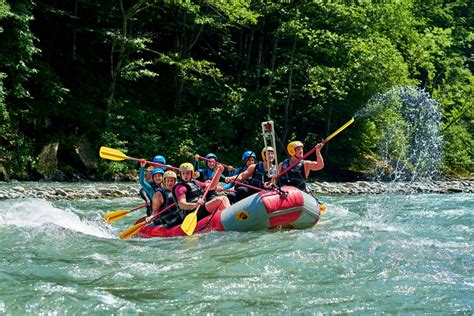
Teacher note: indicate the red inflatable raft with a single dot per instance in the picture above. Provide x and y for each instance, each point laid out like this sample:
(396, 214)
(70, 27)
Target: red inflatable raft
(287, 208)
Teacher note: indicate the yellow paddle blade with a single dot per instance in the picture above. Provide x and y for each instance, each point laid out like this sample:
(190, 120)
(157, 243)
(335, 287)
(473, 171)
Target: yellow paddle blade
(339, 130)
(115, 216)
(189, 224)
(132, 230)
(112, 154)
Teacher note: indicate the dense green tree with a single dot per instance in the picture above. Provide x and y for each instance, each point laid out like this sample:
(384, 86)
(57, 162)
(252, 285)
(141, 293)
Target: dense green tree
(179, 77)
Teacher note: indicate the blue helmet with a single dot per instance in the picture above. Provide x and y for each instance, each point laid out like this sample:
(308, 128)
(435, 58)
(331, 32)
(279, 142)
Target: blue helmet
(155, 171)
(246, 155)
(211, 155)
(159, 159)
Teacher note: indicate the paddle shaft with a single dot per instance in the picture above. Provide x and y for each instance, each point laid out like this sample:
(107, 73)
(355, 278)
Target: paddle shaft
(118, 154)
(213, 183)
(248, 186)
(139, 207)
(204, 158)
(162, 211)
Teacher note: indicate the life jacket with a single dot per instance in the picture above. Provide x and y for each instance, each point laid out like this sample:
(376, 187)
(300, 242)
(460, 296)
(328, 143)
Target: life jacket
(149, 199)
(259, 176)
(172, 216)
(239, 170)
(205, 174)
(295, 176)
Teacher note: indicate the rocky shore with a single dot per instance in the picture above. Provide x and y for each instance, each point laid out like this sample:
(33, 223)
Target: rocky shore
(61, 191)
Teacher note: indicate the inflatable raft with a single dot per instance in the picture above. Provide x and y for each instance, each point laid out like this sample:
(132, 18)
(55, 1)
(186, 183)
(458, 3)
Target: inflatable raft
(287, 208)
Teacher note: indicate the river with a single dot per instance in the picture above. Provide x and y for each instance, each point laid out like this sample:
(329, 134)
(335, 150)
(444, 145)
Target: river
(409, 254)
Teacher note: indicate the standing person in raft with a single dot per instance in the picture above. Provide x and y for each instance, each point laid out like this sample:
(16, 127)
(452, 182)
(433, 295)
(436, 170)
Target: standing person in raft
(255, 175)
(164, 198)
(188, 194)
(297, 175)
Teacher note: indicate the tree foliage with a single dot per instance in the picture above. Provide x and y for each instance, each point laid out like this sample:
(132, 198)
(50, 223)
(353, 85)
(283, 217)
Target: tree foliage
(180, 77)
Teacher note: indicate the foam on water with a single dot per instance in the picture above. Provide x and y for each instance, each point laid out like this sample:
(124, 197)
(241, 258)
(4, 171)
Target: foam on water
(408, 119)
(37, 213)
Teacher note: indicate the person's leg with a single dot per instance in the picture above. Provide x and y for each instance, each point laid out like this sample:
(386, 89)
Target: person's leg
(218, 203)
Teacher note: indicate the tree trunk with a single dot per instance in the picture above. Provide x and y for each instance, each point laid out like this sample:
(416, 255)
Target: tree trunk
(74, 33)
(259, 55)
(328, 127)
(273, 60)
(286, 120)
(115, 70)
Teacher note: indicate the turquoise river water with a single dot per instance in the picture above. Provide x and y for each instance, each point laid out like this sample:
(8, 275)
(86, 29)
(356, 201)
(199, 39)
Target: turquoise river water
(407, 254)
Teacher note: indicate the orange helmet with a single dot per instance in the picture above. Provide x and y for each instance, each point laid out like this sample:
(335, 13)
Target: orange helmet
(264, 157)
(292, 146)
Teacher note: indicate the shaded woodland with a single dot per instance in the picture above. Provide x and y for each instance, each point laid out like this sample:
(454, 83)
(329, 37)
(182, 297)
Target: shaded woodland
(182, 77)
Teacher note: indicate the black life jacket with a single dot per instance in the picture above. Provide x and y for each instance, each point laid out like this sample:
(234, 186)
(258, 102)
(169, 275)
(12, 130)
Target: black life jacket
(295, 176)
(172, 216)
(259, 176)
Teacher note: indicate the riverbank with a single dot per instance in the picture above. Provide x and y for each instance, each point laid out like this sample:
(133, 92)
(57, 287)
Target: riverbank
(66, 191)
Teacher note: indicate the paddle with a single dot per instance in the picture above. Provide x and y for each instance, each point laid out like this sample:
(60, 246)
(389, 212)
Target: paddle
(189, 224)
(131, 231)
(207, 159)
(115, 216)
(117, 155)
(340, 129)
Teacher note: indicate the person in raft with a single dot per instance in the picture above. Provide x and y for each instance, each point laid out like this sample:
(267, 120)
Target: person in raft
(248, 159)
(148, 189)
(188, 194)
(255, 175)
(164, 198)
(297, 175)
(206, 174)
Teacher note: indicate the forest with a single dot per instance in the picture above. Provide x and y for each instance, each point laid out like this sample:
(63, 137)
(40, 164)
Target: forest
(177, 78)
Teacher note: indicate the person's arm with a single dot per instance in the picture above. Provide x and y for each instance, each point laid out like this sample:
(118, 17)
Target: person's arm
(244, 175)
(181, 197)
(314, 165)
(141, 179)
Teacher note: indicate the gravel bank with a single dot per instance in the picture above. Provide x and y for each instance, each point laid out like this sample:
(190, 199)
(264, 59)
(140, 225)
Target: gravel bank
(60, 191)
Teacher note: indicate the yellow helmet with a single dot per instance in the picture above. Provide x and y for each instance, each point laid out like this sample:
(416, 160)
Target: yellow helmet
(186, 166)
(269, 148)
(292, 146)
(170, 174)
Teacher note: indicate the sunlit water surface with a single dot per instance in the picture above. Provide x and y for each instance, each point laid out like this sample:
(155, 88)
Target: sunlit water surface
(368, 254)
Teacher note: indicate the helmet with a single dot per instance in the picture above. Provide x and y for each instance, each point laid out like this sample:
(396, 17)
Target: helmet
(246, 155)
(156, 170)
(211, 155)
(186, 166)
(292, 146)
(159, 159)
(170, 174)
(269, 148)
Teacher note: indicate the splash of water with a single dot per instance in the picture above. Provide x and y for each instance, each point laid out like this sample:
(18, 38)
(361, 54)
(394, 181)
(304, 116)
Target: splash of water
(409, 145)
(32, 213)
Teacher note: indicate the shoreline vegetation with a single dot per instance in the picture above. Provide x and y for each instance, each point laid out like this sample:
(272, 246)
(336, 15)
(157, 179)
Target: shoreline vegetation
(60, 191)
